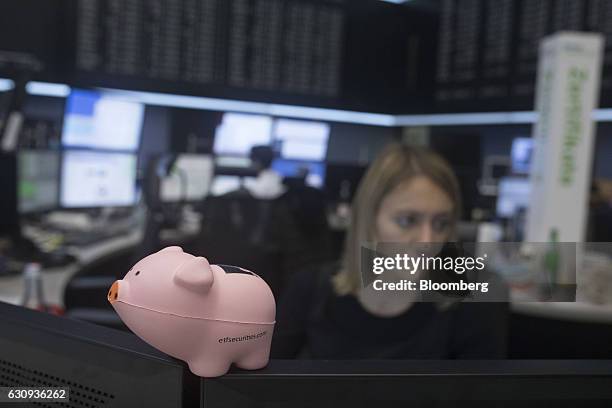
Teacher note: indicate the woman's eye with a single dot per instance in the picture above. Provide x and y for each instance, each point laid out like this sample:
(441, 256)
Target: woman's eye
(406, 221)
(441, 225)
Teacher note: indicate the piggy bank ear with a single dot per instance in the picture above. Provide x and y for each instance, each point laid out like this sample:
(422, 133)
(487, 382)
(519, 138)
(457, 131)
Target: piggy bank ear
(195, 275)
(172, 249)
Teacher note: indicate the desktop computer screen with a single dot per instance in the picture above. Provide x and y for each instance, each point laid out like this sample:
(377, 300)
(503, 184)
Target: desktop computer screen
(522, 153)
(512, 195)
(97, 179)
(239, 132)
(101, 367)
(190, 178)
(292, 168)
(301, 140)
(99, 121)
(38, 180)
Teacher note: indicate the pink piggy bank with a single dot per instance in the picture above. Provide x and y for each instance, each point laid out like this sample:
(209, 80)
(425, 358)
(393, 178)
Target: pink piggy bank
(207, 315)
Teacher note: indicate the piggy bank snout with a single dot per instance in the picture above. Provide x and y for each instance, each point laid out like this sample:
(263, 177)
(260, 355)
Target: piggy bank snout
(113, 293)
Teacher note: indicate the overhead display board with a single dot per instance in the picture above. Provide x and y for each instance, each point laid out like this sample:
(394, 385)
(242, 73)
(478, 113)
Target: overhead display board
(327, 53)
(487, 50)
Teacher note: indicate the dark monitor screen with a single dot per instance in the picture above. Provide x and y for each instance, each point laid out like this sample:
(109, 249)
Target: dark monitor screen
(110, 368)
(432, 383)
(102, 367)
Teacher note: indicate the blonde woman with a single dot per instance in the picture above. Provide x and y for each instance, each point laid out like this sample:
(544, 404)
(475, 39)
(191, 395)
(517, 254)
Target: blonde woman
(408, 196)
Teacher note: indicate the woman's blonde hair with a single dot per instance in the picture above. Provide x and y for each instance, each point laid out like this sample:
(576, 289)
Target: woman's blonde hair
(395, 164)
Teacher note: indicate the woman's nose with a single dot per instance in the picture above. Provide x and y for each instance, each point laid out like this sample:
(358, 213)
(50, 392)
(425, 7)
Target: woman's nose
(426, 233)
(113, 293)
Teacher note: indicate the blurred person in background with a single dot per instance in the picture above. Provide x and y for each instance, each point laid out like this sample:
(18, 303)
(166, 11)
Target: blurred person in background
(408, 196)
(268, 184)
(266, 226)
(309, 241)
(249, 226)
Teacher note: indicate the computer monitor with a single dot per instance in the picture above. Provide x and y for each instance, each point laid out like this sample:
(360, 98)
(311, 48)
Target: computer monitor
(301, 140)
(239, 132)
(512, 195)
(189, 180)
(102, 367)
(415, 383)
(97, 179)
(292, 168)
(101, 121)
(522, 153)
(38, 180)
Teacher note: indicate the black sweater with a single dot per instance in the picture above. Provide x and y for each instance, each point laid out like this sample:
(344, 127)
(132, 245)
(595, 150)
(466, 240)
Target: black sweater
(313, 322)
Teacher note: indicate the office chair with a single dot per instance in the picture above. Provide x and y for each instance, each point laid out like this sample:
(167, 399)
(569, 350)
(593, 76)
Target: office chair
(312, 237)
(238, 229)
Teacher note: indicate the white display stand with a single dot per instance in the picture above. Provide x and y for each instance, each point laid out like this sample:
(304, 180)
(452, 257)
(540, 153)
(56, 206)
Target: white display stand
(567, 91)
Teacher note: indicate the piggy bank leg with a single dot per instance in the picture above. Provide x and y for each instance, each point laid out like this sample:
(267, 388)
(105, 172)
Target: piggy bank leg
(255, 360)
(209, 366)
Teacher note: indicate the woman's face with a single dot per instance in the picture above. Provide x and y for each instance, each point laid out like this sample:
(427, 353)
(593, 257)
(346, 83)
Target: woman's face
(416, 211)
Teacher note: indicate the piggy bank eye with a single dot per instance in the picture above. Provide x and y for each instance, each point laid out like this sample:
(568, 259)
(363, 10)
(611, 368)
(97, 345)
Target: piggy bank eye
(235, 269)
(137, 273)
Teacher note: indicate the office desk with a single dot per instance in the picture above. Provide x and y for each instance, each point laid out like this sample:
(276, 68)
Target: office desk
(55, 279)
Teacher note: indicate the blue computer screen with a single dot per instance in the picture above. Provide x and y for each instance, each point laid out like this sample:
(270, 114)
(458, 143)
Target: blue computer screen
(522, 153)
(513, 194)
(293, 168)
(97, 120)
